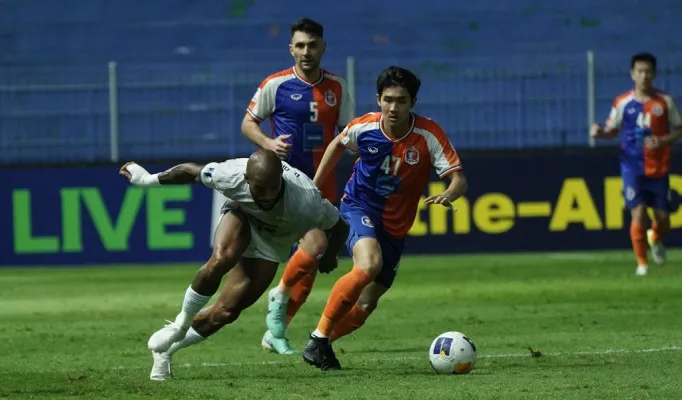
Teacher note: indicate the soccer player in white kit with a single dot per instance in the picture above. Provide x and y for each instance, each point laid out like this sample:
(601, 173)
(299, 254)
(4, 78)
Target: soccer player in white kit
(270, 206)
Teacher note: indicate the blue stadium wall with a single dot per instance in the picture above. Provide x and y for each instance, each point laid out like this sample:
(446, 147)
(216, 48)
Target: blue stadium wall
(516, 202)
(186, 71)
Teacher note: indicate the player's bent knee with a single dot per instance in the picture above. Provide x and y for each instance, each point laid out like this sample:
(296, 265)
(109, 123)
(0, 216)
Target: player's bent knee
(314, 243)
(225, 258)
(370, 263)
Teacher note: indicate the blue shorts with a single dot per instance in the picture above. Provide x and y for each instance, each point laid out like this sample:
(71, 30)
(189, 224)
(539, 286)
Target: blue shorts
(391, 248)
(652, 192)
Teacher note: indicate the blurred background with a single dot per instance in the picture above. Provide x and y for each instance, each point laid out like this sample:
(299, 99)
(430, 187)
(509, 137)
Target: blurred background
(87, 85)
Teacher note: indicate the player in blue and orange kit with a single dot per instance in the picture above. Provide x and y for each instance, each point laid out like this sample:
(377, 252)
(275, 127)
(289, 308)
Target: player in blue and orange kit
(649, 122)
(305, 105)
(397, 150)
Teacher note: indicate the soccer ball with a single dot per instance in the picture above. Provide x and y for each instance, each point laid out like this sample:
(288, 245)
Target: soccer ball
(452, 353)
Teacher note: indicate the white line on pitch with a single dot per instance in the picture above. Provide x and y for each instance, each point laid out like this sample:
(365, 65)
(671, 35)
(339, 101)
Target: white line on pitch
(575, 256)
(412, 358)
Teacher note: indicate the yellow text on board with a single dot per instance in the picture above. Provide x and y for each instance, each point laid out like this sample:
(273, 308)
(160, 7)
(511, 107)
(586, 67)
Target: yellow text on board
(497, 213)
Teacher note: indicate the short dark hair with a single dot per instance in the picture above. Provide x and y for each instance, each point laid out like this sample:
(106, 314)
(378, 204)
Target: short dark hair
(643, 57)
(307, 25)
(396, 76)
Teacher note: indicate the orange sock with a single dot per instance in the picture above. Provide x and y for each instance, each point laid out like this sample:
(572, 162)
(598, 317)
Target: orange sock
(299, 294)
(344, 295)
(300, 264)
(639, 245)
(355, 318)
(656, 237)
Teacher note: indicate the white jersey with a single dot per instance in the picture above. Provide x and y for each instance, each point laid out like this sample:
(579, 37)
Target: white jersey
(300, 208)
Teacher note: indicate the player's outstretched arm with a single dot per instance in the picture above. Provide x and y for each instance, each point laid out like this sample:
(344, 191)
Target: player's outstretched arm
(182, 174)
(331, 157)
(456, 189)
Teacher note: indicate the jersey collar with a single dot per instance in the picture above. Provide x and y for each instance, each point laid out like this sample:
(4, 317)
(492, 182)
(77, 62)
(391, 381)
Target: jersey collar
(293, 69)
(381, 127)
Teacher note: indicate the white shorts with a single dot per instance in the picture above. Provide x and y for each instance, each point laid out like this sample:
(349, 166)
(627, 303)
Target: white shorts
(264, 245)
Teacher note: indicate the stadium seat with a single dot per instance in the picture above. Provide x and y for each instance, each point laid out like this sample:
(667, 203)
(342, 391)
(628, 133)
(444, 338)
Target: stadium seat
(185, 71)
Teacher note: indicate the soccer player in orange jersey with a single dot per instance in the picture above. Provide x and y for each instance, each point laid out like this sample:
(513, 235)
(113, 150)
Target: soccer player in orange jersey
(649, 122)
(305, 104)
(397, 151)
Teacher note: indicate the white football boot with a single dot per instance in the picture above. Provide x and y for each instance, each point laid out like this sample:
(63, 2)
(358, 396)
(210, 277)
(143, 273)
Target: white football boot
(162, 339)
(162, 369)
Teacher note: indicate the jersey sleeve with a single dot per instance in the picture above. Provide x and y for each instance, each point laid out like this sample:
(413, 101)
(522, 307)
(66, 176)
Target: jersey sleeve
(349, 137)
(224, 177)
(326, 214)
(444, 157)
(347, 105)
(674, 117)
(262, 103)
(615, 119)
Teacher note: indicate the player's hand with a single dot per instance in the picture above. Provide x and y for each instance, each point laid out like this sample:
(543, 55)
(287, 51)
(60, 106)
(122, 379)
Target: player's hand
(135, 173)
(596, 131)
(124, 170)
(279, 146)
(440, 199)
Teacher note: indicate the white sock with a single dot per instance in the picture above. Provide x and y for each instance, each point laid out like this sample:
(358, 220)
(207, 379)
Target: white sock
(319, 334)
(280, 296)
(191, 337)
(191, 305)
(283, 289)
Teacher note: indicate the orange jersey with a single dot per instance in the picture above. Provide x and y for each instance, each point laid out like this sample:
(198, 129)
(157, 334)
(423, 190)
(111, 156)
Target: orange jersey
(636, 119)
(391, 175)
(308, 111)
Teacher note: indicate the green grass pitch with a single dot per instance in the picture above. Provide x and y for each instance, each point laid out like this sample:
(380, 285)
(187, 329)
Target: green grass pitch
(603, 333)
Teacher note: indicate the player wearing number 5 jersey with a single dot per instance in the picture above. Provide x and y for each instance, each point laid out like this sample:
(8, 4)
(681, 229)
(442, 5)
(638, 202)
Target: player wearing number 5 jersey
(649, 122)
(397, 152)
(305, 105)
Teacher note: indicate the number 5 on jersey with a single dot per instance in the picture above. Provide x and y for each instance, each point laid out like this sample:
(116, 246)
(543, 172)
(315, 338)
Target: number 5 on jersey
(313, 111)
(386, 165)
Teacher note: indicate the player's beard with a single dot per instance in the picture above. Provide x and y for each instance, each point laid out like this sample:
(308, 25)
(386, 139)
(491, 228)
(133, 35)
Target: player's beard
(268, 205)
(310, 65)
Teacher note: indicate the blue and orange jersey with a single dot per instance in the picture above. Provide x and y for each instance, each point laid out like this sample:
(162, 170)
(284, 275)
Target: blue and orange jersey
(308, 111)
(638, 118)
(391, 174)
